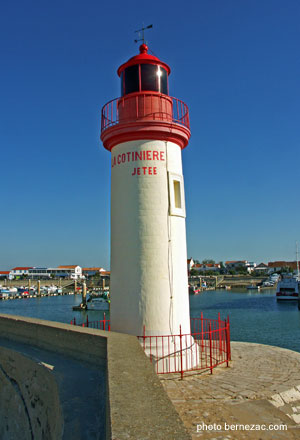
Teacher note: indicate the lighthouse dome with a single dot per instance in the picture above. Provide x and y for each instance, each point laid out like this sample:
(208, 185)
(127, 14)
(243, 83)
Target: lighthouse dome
(144, 72)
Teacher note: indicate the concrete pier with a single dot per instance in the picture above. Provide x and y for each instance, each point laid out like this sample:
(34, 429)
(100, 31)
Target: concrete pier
(262, 387)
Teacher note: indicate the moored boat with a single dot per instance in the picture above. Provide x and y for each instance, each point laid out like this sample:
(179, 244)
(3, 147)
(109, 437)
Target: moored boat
(193, 290)
(25, 293)
(4, 293)
(98, 304)
(287, 289)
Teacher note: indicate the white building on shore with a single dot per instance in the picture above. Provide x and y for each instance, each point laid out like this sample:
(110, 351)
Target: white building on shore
(74, 272)
(19, 271)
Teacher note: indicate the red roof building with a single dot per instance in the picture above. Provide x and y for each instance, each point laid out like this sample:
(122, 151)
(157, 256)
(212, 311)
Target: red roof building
(278, 265)
(22, 268)
(68, 267)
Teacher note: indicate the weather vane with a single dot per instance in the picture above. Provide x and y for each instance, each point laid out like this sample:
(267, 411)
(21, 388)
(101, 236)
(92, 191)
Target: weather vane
(141, 33)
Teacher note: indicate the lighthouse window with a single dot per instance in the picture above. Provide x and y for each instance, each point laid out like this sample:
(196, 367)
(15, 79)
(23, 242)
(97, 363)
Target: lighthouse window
(176, 195)
(132, 79)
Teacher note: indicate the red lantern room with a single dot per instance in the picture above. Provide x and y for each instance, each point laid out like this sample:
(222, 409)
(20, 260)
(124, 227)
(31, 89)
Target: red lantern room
(144, 72)
(145, 110)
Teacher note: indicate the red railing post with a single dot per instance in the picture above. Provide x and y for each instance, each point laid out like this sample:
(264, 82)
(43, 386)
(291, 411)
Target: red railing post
(163, 354)
(228, 336)
(220, 336)
(169, 356)
(144, 336)
(201, 331)
(226, 341)
(181, 366)
(210, 348)
(160, 114)
(156, 353)
(104, 321)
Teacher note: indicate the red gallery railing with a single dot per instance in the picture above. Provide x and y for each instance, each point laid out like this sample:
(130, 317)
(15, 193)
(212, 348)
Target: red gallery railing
(206, 347)
(153, 107)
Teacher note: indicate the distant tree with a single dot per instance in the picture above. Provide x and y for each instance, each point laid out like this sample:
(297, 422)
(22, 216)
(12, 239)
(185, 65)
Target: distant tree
(285, 269)
(196, 261)
(193, 272)
(208, 261)
(242, 270)
(210, 272)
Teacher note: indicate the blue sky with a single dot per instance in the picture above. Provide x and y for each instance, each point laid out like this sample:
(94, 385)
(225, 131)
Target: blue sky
(235, 63)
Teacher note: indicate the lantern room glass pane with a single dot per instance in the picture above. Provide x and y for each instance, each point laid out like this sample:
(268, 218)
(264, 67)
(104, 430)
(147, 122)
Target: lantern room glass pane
(131, 79)
(154, 78)
(149, 77)
(163, 75)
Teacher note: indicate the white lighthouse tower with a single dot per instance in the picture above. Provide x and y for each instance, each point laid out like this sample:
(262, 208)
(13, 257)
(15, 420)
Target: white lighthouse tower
(145, 130)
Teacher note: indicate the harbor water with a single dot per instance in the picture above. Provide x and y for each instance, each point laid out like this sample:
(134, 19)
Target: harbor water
(254, 316)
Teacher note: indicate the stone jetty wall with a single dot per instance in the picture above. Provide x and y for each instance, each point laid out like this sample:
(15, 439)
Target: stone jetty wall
(136, 403)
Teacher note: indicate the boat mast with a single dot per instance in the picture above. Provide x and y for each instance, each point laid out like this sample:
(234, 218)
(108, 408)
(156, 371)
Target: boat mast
(297, 259)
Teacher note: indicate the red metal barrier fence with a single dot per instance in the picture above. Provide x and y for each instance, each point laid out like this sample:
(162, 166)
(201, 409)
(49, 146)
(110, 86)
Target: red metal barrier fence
(103, 324)
(204, 348)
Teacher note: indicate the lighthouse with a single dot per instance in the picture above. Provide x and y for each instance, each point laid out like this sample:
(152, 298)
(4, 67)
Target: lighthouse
(145, 130)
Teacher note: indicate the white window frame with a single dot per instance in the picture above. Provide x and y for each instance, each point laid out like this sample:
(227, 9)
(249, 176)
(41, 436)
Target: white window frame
(179, 212)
